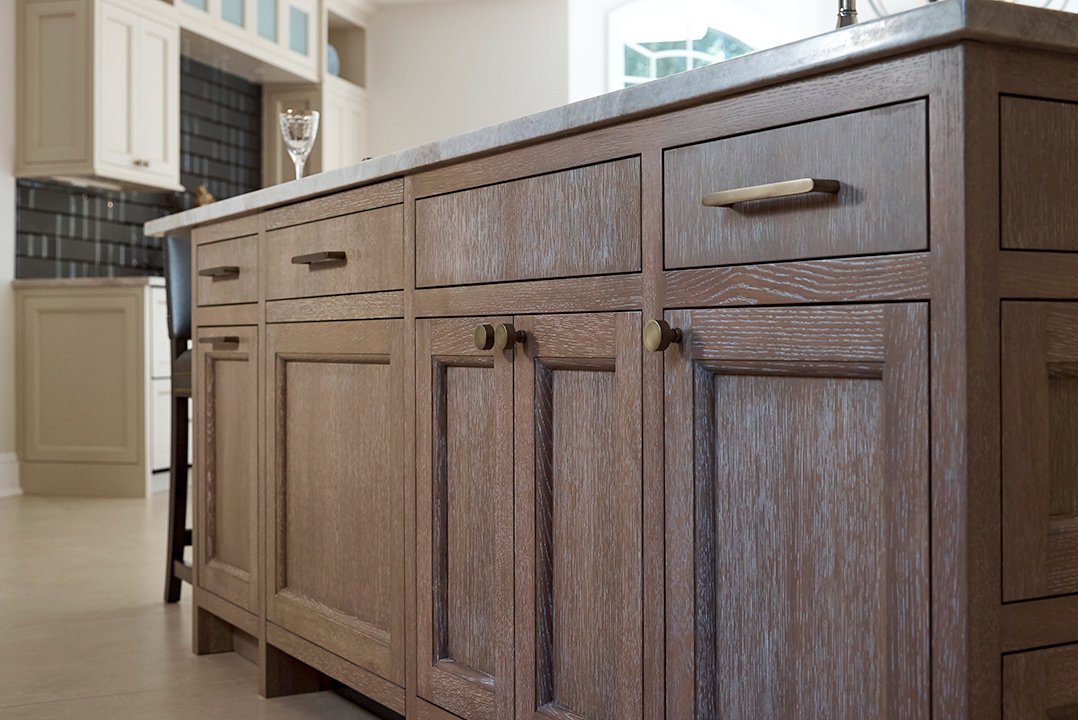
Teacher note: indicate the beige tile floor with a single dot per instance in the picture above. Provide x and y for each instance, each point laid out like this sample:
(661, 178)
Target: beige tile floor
(84, 634)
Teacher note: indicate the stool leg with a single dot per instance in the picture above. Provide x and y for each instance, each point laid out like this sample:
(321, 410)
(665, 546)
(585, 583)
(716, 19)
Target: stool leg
(177, 499)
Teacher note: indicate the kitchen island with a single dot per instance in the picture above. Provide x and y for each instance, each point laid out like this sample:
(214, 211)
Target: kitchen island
(746, 393)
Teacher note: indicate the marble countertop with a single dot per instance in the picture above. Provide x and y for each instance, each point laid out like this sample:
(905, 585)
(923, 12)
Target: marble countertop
(932, 25)
(90, 282)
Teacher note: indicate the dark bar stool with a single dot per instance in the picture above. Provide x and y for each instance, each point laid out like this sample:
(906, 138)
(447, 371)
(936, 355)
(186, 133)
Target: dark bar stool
(178, 292)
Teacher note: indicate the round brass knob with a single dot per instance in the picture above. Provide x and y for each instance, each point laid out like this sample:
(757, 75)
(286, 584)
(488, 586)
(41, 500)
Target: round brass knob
(484, 337)
(506, 336)
(658, 335)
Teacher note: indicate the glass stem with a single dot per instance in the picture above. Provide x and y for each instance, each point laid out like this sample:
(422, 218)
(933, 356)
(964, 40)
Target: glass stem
(299, 167)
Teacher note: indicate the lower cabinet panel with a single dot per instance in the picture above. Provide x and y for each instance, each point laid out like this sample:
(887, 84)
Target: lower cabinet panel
(579, 579)
(336, 560)
(464, 520)
(1040, 449)
(227, 395)
(798, 513)
(1041, 685)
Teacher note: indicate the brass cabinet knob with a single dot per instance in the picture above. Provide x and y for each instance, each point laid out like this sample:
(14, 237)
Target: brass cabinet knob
(506, 336)
(658, 335)
(484, 337)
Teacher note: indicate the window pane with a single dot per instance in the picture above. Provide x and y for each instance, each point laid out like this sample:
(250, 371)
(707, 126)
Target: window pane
(200, 4)
(669, 65)
(297, 30)
(232, 11)
(267, 19)
(636, 65)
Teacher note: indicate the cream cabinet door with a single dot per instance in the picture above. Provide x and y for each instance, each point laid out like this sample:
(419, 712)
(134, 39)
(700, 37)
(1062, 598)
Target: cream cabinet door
(137, 101)
(117, 37)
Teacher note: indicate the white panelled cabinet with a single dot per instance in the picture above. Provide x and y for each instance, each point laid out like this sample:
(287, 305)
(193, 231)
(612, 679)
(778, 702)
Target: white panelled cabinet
(98, 92)
(279, 34)
(93, 389)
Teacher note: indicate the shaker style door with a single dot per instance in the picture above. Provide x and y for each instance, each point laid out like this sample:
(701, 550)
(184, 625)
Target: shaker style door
(226, 469)
(1040, 449)
(797, 513)
(579, 574)
(336, 490)
(464, 520)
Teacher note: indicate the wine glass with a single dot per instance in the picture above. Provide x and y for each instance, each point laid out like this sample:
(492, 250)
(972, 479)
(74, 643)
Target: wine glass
(299, 129)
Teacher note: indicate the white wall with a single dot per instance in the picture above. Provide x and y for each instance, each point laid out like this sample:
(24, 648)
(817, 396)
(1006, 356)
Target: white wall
(438, 69)
(9, 477)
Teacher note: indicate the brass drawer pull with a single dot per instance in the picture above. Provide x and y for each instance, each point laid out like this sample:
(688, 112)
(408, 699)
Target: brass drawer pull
(788, 188)
(326, 256)
(658, 335)
(220, 340)
(220, 271)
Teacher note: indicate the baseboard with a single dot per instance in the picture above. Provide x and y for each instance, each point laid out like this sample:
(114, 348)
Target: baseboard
(9, 475)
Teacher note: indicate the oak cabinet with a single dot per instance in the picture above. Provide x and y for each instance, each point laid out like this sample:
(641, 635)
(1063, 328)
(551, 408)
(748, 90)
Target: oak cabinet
(1040, 449)
(99, 92)
(797, 523)
(1041, 685)
(464, 521)
(335, 485)
(227, 465)
(529, 538)
(579, 641)
(1037, 140)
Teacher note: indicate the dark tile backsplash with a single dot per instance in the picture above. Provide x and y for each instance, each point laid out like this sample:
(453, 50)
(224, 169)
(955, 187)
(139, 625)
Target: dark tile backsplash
(67, 231)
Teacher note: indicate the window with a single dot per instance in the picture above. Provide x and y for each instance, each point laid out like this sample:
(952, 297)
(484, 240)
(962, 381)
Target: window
(649, 39)
(649, 60)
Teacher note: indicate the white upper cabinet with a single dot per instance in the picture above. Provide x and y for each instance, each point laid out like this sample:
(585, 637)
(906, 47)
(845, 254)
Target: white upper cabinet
(281, 36)
(99, 89)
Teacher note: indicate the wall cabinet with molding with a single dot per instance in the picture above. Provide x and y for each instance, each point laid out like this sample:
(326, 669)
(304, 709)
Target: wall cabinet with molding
(280, 36)
(98, 92)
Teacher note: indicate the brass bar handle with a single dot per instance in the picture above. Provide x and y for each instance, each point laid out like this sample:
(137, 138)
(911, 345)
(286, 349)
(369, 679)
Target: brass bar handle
(220, 271)
(484, 337)
(326, 256)
(787, 188)
(506, 336)
(658, 335)
(220, 340)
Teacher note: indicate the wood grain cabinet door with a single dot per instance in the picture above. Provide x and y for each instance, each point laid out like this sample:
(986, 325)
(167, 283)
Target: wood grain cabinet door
(1041, 685)
(336, 489)
(464, 511)
(578, 517)
(1040, 449)
(798, 513)
(226, 466)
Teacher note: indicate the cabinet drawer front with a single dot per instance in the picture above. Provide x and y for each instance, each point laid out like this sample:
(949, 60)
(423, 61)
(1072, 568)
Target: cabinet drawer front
(584, 221)
(1040, 457)
(359, 252)
(227, 271)
(878, 157)
(1038, 172)
(1041, 685)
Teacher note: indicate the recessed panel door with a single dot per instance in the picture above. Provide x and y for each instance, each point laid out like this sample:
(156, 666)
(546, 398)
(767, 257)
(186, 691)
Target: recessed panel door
(579, 573)
(464, 520)
(798, 513)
